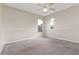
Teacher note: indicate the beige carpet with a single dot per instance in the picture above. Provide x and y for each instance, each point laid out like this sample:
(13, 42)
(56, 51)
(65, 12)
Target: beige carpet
(41, 46)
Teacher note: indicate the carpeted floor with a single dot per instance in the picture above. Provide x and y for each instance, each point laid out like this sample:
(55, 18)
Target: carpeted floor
(41, 46)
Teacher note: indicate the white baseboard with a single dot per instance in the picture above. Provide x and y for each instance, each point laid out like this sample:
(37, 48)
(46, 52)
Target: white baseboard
(63, 39)
(19, 40)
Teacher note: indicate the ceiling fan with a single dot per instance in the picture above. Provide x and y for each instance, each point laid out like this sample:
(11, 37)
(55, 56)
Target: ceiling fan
(46, 7)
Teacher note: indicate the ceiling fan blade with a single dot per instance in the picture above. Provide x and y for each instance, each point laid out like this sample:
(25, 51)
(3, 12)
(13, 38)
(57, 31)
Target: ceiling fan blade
(41, 5)
(50, 4)
(38, 10)
(52, 9)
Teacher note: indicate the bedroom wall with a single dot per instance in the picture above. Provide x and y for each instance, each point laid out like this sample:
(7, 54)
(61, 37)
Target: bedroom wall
(19, 25)
(66, 25)
(1, 29)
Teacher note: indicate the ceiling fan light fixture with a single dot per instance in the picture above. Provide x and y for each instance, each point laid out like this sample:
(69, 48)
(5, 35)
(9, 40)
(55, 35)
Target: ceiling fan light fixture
(45, 10)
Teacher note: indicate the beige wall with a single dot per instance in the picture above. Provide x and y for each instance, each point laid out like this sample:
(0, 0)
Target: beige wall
(66, 25)
(1, 29)
(19, 25)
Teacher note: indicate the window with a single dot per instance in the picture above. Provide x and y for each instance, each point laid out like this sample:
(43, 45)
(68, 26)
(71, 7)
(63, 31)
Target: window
(40, 24)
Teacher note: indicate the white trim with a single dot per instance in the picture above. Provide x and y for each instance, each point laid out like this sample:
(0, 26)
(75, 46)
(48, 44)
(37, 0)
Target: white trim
(19, 40)
(1, 48)
(63, 40)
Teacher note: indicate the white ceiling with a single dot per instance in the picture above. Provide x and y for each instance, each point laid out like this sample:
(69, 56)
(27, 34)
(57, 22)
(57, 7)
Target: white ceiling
(33, 7)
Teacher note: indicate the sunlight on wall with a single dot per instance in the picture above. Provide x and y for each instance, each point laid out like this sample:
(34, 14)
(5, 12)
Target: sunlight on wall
(52, 23)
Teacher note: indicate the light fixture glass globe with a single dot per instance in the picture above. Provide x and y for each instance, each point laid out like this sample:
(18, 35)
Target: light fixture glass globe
(45, 9)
